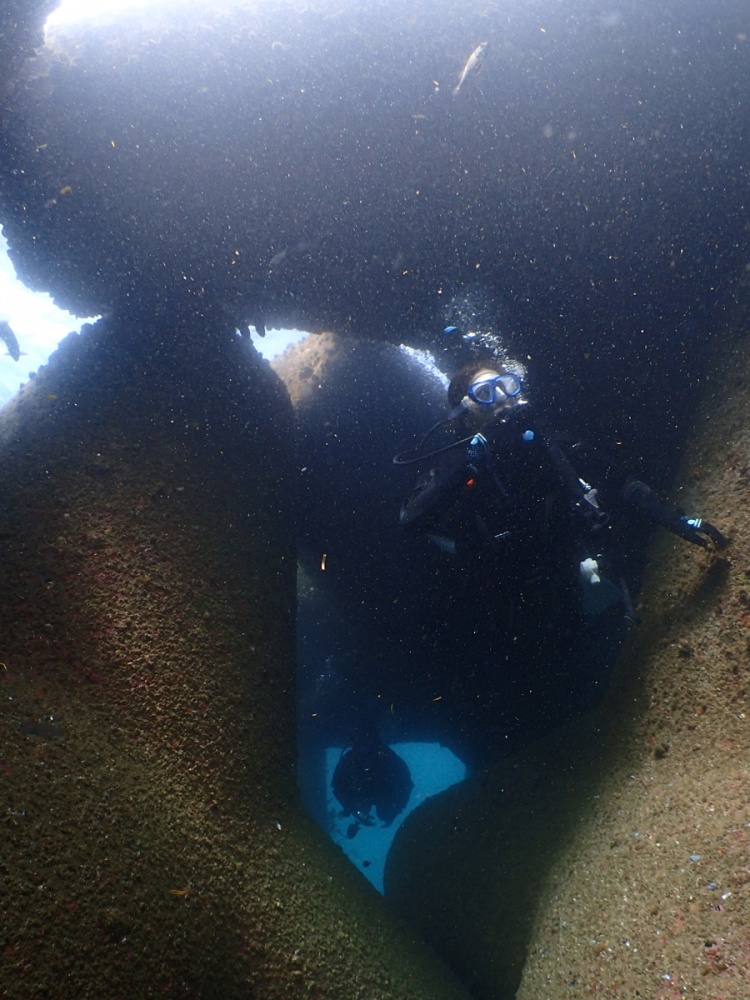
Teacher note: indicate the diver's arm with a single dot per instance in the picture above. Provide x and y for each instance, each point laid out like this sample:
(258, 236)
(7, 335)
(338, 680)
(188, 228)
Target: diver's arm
(584, 497)
(692, 529)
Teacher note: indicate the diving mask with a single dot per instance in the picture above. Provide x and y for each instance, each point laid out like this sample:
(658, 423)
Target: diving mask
(485, 390)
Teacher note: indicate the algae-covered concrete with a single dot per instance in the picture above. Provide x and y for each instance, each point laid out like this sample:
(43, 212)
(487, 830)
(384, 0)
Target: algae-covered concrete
(652, 898)
(308, 160)
(152, 842)
(614, 859)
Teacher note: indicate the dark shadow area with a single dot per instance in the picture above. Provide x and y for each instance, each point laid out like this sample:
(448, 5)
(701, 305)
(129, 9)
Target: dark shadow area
(392, 630)
(393, 627)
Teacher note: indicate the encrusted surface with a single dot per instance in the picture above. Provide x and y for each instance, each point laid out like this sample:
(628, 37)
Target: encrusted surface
(153, 844)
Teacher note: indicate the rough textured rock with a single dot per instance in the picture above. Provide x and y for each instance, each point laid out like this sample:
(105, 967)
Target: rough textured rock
(357, 404)
(652, 895)
(300, 163)
(21, 32)
(153, 844)
(612, 860)
(309, 163)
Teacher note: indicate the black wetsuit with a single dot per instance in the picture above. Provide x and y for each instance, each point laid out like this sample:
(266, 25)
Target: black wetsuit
(518, 506)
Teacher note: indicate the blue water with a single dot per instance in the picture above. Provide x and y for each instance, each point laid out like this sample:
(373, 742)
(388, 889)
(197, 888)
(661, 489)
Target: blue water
(433, 768)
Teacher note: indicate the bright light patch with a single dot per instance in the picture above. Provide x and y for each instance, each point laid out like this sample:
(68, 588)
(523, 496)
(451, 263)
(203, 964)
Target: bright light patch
(76, 11)
(71, 11)
(40, 326)
(276, 342)
(433, 768)
(36, 321)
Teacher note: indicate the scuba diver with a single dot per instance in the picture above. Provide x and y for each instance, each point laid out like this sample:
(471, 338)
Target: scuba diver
(517, 508)
(370, 775)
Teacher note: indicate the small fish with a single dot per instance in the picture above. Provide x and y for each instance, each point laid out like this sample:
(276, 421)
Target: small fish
(472, 65)
(9, 337)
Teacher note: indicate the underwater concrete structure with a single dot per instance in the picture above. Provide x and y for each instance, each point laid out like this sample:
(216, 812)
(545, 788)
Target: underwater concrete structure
(310, 163)
(649, 893)
(296, 163)
(611, 859)
(154, 844)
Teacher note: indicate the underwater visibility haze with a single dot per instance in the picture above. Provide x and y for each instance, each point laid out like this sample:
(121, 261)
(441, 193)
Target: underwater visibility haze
(217, 638)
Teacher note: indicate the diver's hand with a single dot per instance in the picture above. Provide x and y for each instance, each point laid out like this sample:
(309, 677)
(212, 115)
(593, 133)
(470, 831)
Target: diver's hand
(692, 529)
(700, 532)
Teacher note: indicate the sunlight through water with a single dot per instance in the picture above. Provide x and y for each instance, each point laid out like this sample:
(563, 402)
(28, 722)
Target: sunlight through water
(75, 11)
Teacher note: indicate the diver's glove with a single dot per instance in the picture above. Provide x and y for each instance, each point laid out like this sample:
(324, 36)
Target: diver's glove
(692, 529)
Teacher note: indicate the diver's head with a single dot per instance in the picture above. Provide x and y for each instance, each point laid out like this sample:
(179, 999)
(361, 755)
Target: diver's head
(477, 394)
(481, 391)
